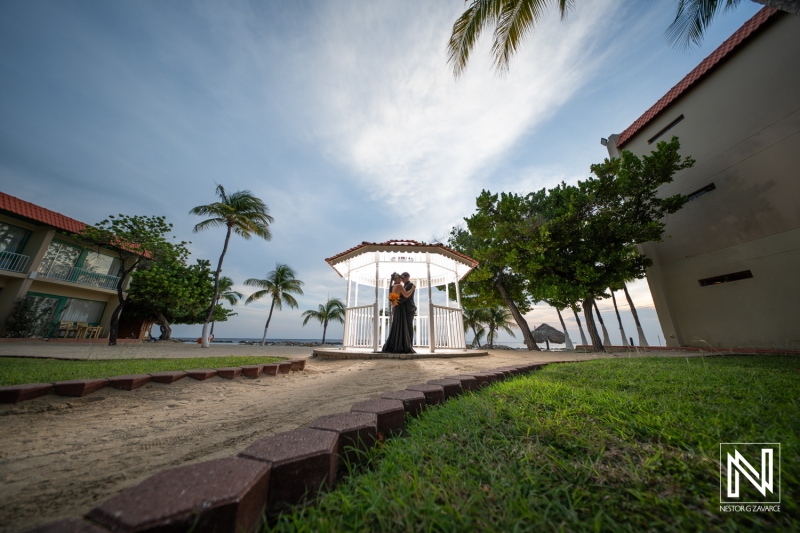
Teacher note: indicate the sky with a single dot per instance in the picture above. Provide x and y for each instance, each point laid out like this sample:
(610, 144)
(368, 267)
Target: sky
(342, 115)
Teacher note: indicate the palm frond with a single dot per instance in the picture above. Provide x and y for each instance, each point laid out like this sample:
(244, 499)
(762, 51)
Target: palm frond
(692, 18)
(256, 296)
(467, 29)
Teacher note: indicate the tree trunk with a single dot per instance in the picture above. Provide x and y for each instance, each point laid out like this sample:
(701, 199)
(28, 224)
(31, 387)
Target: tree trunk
(324, 331)
(597, 346)
(518, 318)
(113, 326)
(271, 307)
(475, 336)
(619, 320)
(166, 330)
(578, 320)
(639, 330)
(606, 340)
(567, 340)
(490, 338)
(211, 333)
(204, 337)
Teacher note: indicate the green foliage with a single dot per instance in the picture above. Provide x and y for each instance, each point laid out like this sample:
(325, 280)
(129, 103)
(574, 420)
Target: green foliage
(496, 319)
(16, 371)
(173, 291)
(605, 445)
(24, 319)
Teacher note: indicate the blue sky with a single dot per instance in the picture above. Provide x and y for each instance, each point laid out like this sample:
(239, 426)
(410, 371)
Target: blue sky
(343, 116)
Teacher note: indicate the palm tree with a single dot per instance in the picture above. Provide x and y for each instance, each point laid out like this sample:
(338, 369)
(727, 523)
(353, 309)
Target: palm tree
(514, 19)
(606, 340)
(567, 341)
(639, 330)
(474, 319)
(332, 311)
(619, 320)
(226, 293)
(280, 284)
(578, 320)
(498, 318)
(240, 213)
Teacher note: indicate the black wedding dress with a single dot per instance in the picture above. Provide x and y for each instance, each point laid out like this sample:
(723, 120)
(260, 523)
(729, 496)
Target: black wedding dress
(401, 333)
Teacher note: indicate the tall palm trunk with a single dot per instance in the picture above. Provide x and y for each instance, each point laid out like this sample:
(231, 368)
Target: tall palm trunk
(606, 339)
(578, 320)
(619, 320)
(518, 318)
(207, 323)
(597, 346)
(639, 330)
(324, 331)
(269, 317)
(567, 340)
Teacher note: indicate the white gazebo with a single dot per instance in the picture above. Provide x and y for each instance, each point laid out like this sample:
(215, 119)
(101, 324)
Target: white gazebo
(438, 324)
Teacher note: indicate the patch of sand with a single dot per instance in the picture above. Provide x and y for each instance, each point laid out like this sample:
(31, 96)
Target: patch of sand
(61, 456)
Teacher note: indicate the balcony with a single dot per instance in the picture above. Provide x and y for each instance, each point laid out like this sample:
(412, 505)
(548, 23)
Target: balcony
(80, 276)
(13, 262)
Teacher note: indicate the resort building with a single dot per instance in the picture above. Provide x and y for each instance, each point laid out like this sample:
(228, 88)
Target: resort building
(728, 272)
(68, 282)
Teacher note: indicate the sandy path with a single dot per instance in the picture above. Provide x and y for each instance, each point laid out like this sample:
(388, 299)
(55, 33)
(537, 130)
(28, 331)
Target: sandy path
(60, 456)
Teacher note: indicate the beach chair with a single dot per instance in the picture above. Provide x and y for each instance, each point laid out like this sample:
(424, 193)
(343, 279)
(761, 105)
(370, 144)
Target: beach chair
(64, 326)
(94, 332)
(80, 329)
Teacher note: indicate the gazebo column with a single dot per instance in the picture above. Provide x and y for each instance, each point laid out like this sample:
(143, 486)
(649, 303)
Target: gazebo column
(375, 316)
(460, 309)
(431, 321)
(346, 305)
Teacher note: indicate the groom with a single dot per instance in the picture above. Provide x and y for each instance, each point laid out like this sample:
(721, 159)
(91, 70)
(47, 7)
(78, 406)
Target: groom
(408, 304)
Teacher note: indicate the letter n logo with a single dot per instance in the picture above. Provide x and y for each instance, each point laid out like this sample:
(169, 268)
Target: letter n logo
(748, 472)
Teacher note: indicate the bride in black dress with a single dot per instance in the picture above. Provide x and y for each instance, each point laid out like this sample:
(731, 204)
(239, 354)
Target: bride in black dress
(400, 339)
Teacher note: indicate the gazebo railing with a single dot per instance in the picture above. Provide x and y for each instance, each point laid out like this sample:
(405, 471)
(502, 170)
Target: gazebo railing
(448, 328)
(360, 326)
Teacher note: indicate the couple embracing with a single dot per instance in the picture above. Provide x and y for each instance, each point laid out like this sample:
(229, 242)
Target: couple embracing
(401, 333)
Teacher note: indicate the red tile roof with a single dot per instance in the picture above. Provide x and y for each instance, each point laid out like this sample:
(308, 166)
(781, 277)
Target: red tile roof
(37, 214)
(725, 50)
(403, 243)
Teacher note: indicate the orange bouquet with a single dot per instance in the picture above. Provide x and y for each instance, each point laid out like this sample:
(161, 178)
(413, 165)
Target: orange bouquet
(394, 298)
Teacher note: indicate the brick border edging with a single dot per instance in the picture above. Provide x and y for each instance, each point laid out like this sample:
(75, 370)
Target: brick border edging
(236, 493)
(84, 387)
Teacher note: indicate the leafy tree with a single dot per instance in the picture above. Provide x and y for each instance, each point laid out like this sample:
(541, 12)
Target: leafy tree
(24, 319)
(136, 240)
(170, 291)
(513, 20)
(498, 318)
(639, 330)
(332, 311)
(280, 284)
(240, 213)
(226, 293)
(494, 281)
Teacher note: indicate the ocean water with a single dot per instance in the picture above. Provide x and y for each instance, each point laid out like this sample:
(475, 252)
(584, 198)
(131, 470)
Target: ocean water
(236, 340)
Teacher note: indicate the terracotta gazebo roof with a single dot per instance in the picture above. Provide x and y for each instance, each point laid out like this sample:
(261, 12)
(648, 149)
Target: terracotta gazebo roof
(726, 50)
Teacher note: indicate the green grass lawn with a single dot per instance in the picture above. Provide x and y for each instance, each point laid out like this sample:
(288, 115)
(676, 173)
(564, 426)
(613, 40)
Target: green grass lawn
(18, 370)
(608, 445)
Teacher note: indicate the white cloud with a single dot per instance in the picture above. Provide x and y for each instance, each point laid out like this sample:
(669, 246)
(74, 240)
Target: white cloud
(415, 138)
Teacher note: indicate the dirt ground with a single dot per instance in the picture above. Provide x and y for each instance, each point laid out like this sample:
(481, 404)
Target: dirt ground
(61, 456)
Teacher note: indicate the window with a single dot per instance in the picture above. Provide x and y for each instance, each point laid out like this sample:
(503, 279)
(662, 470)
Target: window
(12, 238)
(736, 276)
(668, 127)
(82, 311)
(700, 192)
(101, 264)
(58, 261)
